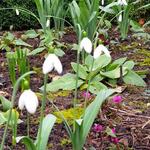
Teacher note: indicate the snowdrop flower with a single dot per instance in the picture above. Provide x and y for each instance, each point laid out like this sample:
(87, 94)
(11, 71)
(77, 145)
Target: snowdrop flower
(17, 12)
(120, 17)
(102, 2)
(52, 62)
(48, 23)
(122, 2)
(86, 44)
(98, 51)
(29, 100)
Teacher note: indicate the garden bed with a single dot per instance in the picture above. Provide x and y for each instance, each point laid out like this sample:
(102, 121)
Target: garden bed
(130, 119)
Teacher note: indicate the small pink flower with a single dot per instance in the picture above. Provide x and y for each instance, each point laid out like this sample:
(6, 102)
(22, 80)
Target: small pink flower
(97, 128)
(115, 140)
(117, 99)
(113, 130)
(86, 94)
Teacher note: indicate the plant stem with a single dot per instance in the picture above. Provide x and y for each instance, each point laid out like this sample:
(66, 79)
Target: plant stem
(42, 110)
(85, 102)
(76, 87)
(15, 89)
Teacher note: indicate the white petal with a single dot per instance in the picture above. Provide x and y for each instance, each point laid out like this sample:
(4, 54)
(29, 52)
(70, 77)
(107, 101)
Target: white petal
(31, 101)
(124, 2)
(106, 51)
(97, 52)
(57, 65)
(102, 2)
(17, 12)
(120, 18)
(48, 64)
(48, 23)
(86, 44)
(21, 101)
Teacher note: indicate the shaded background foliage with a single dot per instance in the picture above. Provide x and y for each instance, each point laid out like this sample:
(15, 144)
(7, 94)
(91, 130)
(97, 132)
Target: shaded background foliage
(25, 21)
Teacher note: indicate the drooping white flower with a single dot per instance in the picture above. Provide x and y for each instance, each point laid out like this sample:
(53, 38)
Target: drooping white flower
(120, 17)
(52, 62)
(29, 100)
(122, 2)
(47, 23)
(98, 51)
(86, 44)
(102, 2)
(17, 12)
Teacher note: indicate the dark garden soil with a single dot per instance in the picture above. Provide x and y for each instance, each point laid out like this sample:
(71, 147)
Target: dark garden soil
(131, 119)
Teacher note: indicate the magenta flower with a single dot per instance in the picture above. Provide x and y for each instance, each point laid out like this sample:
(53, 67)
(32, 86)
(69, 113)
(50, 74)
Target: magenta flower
(97, 128)
(117, 99)
(86, 94)
(113, 130)
(115, 140)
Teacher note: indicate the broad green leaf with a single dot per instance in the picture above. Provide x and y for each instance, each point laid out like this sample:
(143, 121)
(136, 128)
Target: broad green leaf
(82, 70)
(31, 34)
(36, 51)
(5, 103)
(129, 65)
(113, 74)
(66, 82)
(47, 125)
(2, 119)
(96, 87)
(27, 142)
(92, 111)
(88, 61)
(101, 62)
(133, 79)
(59, 52)
(120, 61)
(20, 42)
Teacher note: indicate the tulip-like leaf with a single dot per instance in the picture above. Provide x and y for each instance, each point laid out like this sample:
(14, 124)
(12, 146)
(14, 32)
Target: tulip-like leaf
(5, 103)
(27, 142)
(129, 64)
(133, 79)
(36, 51)
(114, 73)
(66, 82)
(82, 70)
(20, 42)
(47, 125)
(31, 34)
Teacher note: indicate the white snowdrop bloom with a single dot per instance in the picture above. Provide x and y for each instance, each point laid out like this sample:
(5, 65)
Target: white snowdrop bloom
(98, 51)
(52, 62)
(120, 18)
(17, 12)
(102, 2)
(47, 23)
(86, 44)
(122, 2)
(29, 100)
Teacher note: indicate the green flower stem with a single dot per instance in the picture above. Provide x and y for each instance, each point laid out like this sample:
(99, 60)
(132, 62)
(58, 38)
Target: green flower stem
(76, 88)
(85, 102)
(42, 110)
(15, 89)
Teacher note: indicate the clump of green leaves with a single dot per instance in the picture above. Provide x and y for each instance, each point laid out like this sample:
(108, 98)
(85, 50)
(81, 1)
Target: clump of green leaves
(103, 70)
(9, 41)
